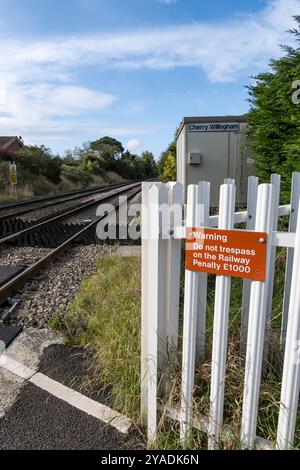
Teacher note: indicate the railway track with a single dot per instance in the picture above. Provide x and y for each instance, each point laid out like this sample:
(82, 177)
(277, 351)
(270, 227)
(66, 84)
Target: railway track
(39, 199)
(15, 229)
(18, 280)
(50, 201)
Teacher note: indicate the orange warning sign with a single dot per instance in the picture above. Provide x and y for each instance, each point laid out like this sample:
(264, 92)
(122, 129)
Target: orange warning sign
(238, 253)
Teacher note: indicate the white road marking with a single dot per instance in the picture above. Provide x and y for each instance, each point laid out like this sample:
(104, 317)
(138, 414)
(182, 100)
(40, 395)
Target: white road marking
(73, 398)
(9, 363)
(81, 402)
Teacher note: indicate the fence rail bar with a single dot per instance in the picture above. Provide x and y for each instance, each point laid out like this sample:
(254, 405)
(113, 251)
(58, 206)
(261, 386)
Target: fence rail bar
(239, 217)
(284, 239)
(201, 423)
(284, 210)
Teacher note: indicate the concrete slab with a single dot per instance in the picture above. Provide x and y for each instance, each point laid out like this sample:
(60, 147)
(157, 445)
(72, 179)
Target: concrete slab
(128, 250)
(29, 346)
(28, 349)
(10, 386)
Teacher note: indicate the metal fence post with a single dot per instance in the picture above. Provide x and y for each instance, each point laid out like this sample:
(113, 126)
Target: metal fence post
(295, 193)
(220, 329)
(203, 217)
(189, 327)
(144, 300)
(275, 181)
(289, 399)
(250, 225)
(173, 273)
(257, 321)
(157, 325)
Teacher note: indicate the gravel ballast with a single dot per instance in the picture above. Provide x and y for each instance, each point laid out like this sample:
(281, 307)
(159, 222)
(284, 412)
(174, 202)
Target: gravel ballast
(55, 288)
(57, 209)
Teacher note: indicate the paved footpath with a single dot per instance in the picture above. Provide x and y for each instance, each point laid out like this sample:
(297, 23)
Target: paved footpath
(42, 405)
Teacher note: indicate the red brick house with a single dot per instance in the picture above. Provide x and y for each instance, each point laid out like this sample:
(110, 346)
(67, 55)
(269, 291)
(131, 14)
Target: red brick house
(9, 146)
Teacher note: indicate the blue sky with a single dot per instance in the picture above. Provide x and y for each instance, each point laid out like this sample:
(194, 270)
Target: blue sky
(75, 70)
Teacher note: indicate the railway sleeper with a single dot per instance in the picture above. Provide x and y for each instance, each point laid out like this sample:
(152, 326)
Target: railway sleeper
(51, 236)
(11, 225)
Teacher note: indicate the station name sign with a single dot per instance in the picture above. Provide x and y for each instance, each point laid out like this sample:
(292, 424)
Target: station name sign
(237, 253)
(214, 127)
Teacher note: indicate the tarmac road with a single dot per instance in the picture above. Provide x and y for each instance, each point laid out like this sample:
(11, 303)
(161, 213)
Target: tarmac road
(39, 420)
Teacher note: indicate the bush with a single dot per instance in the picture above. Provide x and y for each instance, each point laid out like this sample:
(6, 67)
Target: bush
(33, 161)
(4, 175)
(42, 185)
(76, 174)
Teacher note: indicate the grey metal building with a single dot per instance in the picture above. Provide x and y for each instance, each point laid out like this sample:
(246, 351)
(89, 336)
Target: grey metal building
(212, 149)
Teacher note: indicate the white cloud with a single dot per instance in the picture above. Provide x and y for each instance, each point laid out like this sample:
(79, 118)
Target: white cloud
(133, 145)
(37, 101)
(221, 50)
(37, 76)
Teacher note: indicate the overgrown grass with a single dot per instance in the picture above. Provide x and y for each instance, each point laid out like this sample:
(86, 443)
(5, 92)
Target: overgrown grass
(13, 194)
(39, 186)
(106, 318)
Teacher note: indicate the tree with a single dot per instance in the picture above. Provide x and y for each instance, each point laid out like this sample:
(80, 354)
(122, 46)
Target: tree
(107, 154)
(148, 165)
(128, 165)
(167, 163)
(169, 168)
(108, 147)
(274, 120)
(35, 161)
(170, 149)
(69, 158)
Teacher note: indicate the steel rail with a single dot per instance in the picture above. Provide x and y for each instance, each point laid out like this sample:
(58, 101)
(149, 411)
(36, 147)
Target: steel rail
(50, 204)
(20, 280)
(65, 214)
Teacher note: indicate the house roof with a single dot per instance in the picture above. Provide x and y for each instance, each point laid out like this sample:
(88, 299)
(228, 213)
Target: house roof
(6, 141)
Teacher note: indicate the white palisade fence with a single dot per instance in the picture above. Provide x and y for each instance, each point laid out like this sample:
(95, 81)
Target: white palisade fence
(163, 227)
